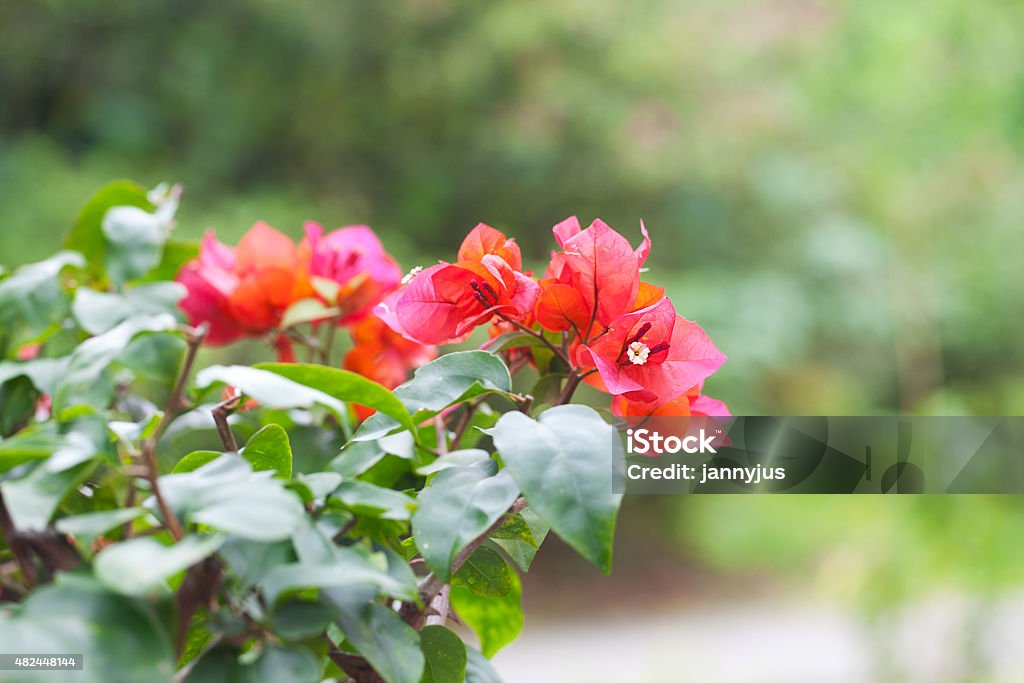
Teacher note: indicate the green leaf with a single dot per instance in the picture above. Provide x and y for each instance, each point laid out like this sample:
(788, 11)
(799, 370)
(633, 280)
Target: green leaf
(269, 449)
(121, 638)
(563, 463)
(277, 664)
(485, 572)
(227, 495)
(513, 340)
(344, 386)
(140, 566)
(135, 239)
(445, 656)
(346, 569)
(515, 528)
(376, 501)
(32, 500)
(450, 379)
(90, 525)
(358, 457)
(219, 665)
(522, 550)
(458, 458)
(456, 507)
(92, 356)
(496, 620)
(300, 619)
(86, 236)
(380, 635)
(479, 669)
(36, 442)
(271, 389)
(194, 460)
(32, 298)
(98, 312)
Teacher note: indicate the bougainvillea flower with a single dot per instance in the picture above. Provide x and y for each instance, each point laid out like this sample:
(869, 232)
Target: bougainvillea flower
(354, 259)
(693, 402)
(483, 240)
(601, 265)
(561, 307)
(652, 354)
(383, 355)
(445, 302)
(242, 291)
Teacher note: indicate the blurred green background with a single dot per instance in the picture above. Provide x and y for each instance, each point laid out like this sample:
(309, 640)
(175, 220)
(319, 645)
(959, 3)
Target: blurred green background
(833, 190)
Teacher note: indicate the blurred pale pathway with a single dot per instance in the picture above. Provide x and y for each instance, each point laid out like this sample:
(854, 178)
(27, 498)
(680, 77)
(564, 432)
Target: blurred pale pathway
(764, 643)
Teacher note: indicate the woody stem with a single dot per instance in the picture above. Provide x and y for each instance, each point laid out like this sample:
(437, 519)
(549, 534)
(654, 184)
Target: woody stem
(539, 335)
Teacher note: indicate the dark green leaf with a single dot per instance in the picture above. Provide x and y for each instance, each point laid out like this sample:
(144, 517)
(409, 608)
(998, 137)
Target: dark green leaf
(294, 665)
(140, 566)
(32, 500)
(521, 550)
(458, 505)
(347, 568)
(563, 463)
(86, 527)
(445, 656)
(485, 572)
(376, 501)
(32, 298)
(380, 635)
(98, 312)
(227, 495)
(300, 620)
(358, 457)
(450, 379)
(92, 356)
(515, 528)
(121, 639)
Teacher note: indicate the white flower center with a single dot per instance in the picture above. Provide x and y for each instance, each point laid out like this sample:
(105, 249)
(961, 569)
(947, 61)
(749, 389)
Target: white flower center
(411, 274)
(638, 353)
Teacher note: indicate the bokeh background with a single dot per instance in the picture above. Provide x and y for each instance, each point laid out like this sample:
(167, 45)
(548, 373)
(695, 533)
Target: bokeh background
(834, 190)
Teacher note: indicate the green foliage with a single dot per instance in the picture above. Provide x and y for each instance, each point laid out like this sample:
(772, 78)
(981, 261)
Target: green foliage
(496, 619)
(563, 463)
(269, 449)
(162, 554)
(445, 655)
(459, 505)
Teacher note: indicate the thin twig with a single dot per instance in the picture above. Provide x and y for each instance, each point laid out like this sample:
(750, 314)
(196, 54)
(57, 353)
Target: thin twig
(220, 418)
(355, 666)
(571, 383)
(463, 424)
(539, 335)
(175, 403)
